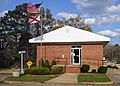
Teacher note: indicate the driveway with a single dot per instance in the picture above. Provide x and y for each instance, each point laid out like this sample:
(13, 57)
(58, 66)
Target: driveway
(116, 78)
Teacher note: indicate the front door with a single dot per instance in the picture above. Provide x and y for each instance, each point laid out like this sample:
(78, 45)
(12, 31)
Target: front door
(76, 56)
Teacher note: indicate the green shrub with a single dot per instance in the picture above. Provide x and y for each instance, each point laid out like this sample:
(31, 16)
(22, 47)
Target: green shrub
(47, 64)
(26, 70)
(61, 68)
(102, 69)
(109, 66)
(43, 70)
(114, 67)
(85, 68)
(57, 71)
(53, 62)
(34, 70)
(118, 61)
(93, 71)
(42, 63)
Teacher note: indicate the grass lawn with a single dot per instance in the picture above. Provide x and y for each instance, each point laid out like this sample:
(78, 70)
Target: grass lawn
(37, 78)
(93, 78)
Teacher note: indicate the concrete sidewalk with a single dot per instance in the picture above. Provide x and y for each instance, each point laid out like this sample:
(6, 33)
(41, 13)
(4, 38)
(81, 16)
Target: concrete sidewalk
(65, 78)
(5, 73)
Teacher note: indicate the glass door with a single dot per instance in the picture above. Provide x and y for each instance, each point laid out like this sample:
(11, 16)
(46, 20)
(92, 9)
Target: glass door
(76, 55)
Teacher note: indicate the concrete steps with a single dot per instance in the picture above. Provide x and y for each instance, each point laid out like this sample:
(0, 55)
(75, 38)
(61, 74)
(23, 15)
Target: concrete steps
(70, 68)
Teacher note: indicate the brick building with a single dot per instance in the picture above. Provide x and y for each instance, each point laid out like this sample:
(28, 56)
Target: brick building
(71, 47)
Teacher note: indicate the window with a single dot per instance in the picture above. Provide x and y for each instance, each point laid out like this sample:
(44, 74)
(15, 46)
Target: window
(76, 46)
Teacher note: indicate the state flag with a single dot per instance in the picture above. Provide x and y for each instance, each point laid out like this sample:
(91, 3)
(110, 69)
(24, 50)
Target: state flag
(34, 19)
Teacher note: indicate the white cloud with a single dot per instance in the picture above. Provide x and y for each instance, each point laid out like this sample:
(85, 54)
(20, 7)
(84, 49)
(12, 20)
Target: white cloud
(105, 19)
(117, 30)
(114, 9)
(110, 19)
(3, 13)
(109, 33)
(93, 6)
(89, 21)
(67, 15)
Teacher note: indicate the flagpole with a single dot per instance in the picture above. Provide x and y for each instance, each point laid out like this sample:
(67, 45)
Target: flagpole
(41, 33)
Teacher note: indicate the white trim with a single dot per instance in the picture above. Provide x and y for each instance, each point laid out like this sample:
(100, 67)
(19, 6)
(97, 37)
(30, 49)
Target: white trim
(79, 56)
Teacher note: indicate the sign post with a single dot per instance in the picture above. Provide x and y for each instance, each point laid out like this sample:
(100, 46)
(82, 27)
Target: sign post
(22, 70)
(29, 63)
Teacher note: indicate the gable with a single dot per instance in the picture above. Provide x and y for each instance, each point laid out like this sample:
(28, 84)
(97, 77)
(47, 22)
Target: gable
(69, 34)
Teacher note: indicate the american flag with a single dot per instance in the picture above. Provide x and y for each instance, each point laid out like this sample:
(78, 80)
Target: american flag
(33, 8)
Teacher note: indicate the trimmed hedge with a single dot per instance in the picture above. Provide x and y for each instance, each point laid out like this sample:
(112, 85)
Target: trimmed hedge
(26, 70)
(114, 67)
(43, 70)
(85, 68)
(34, 70)
(102, 69)
(39, 71)
(56, 71)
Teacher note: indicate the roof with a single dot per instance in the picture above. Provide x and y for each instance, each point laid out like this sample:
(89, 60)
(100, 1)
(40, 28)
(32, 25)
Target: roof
(69, 34)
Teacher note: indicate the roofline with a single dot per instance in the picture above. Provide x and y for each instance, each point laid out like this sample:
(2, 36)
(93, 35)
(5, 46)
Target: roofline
(92, 42)
(33, 40)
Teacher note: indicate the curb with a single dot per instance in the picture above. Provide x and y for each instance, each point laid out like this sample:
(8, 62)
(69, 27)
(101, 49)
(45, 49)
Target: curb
(84, 83)
(18, 82)
(98, 83)
(111, 78)
(61, 83)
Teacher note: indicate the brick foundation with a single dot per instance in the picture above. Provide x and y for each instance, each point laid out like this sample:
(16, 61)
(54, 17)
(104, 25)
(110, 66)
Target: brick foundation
(72, 69)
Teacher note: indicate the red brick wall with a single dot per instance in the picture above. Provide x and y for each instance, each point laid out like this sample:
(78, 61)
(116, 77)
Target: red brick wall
(54, 52)
(92, 54)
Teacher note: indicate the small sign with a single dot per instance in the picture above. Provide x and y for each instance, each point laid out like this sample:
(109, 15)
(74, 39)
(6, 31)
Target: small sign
(21, 52)
(29, 63)
(103, 58)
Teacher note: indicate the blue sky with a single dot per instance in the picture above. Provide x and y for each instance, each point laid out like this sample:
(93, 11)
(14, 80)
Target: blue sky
(102, 15)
